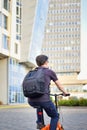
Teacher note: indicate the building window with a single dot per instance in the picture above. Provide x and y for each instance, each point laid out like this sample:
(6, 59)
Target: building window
(18, 20)
(18, 26)
(18, 11)
(16, 76)
(5, 21)
(5, 40)
(0, 19)
(5, 4)
(16, 48)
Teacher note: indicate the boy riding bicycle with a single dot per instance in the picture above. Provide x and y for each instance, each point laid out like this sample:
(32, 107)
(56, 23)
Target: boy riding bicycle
(44, 101)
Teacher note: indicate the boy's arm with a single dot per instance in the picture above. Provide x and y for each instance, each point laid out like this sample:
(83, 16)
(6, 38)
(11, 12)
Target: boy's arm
(60, 87)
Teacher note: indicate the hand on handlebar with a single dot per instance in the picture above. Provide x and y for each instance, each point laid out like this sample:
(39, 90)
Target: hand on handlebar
(66, 94)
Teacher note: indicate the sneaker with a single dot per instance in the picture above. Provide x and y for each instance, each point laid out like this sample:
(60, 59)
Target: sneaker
(40, 126)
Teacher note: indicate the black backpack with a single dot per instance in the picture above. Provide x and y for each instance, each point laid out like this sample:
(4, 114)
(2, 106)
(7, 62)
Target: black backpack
(34, 83)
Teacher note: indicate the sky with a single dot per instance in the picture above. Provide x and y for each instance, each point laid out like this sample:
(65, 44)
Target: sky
(38, 30)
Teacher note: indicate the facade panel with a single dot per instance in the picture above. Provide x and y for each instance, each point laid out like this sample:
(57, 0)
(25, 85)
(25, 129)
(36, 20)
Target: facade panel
(4, 81)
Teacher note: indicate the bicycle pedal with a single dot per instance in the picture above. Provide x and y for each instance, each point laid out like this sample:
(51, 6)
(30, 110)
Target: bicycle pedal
(40, 126)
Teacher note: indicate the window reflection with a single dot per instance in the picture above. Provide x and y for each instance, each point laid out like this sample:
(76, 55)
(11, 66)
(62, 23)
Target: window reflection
(16, 75)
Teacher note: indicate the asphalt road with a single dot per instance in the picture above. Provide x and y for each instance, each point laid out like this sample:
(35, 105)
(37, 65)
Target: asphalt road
(73, 118)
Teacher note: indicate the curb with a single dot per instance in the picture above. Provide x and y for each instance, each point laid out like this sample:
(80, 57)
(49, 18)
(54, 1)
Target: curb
(14, 106)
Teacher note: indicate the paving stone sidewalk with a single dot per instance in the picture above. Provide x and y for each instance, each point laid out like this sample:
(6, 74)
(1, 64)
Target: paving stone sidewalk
(74, 118)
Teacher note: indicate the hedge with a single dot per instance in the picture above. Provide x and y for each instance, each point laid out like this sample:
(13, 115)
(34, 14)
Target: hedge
(73, 102)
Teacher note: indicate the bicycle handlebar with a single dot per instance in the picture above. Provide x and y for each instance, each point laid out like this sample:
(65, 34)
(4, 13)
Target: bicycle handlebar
(60, 94)
(56, 95)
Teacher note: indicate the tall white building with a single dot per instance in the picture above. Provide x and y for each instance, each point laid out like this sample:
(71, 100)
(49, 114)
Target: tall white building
(65, 41)
(21, 31)
(62, 35)
(10, 41)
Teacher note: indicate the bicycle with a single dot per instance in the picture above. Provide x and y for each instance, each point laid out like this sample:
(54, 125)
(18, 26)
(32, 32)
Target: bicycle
(59, 125)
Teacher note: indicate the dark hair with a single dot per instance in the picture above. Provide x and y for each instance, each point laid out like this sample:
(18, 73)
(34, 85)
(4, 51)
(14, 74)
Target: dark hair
(41, 59)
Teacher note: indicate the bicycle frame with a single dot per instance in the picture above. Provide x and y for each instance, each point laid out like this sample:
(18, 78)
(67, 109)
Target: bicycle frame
(59, 126)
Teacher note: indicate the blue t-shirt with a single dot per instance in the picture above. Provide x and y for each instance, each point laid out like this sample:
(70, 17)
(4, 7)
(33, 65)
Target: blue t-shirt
(49, 75)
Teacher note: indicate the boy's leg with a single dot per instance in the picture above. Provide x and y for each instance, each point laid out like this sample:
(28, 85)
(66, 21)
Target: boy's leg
(39, 111)
(40, 118)
(51, 112)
